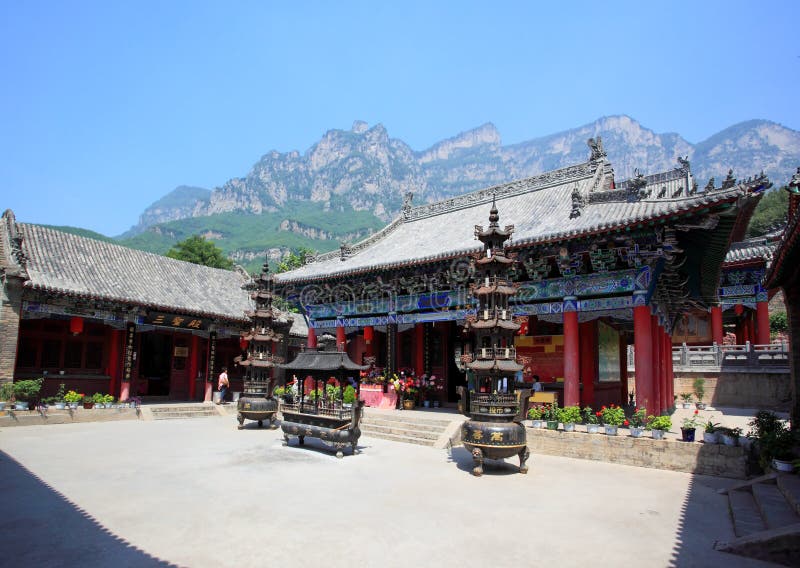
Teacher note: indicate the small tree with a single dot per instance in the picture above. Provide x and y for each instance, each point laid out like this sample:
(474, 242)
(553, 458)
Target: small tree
(778, 322)
(699, 388)
(294, 260)
(197, 250)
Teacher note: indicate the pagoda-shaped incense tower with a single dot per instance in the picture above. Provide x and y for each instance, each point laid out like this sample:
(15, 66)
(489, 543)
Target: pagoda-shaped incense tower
(261, 343)
(492, 431)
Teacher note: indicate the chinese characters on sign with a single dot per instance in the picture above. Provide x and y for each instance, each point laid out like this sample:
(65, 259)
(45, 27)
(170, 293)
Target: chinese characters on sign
(172, 320)
(212, 352)
(129, 336)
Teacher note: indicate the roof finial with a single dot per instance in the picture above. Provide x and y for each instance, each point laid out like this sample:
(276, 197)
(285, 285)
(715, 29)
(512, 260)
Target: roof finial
(494, 216)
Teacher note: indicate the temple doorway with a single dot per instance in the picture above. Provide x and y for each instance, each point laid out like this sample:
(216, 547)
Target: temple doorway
(155, 364)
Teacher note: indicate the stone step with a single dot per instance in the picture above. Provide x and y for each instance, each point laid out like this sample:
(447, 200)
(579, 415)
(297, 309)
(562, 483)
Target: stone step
(408, 424)
(790, 487)
(397, 438)
(745, 513)
(775, 509)
(171, 412)
(397, 431)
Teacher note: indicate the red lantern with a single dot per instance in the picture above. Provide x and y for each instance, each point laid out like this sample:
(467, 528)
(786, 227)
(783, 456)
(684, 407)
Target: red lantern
(368, 334)
(75, 325)
(243, 343)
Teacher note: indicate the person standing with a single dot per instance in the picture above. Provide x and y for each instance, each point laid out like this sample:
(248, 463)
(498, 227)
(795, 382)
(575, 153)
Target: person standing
(537, 386)
(222, 385)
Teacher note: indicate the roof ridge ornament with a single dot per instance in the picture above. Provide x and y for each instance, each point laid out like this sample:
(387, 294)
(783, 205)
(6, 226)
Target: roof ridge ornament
(596, 146)
(577, 202)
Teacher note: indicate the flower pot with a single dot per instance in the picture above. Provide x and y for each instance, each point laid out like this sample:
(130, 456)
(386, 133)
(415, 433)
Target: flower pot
(426, 403)
(592, 428)
(60, 405)
(781, 465)
(408, 405)
(21, 406)
(657, 434)
(710, 438)
(687, 404)
(700, 405)
(88, 405)
(537, 423)
(436, 404)
(637, 431)
(72, 405)
(552, 424)
(2, 405)
(569, 426)
(611, 430)
(730, 440)
(687, 434)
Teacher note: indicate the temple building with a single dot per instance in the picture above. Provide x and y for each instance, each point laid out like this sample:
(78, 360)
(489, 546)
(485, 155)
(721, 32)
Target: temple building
(602, 264)
(100, 317)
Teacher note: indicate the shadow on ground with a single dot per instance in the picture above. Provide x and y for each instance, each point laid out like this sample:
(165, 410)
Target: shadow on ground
(50, 530)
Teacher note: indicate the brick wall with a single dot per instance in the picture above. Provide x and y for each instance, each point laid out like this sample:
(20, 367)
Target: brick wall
(10, 310)
(770, 391)
(669, 454)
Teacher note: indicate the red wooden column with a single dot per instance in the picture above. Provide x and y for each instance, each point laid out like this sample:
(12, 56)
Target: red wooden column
(643, 357)
(419, 349)
(657, 362)
(588, 363)
(762, 323)
(749, 331)
(194, 350)
(341, 338)
(716, 324)
(740, 325)
(115, 360)
(572, 366)
(369, 337)
(312, 338)
(666, 399)
(623, 368)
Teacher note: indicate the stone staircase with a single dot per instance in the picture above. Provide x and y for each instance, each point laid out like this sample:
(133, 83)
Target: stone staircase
(410, 428)
(766, 519)
(173, 411)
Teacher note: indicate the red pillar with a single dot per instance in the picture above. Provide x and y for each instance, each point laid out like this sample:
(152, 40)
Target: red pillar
(643, 357)
(670, 375)
(657, 362)
(419, 349)
(194, 350)
(114, 360)
(762, 328)
(749, 336)
(623, 367)
(369, 337)
(312, 338)
(341, 338)
(588, 356)
(572, 368)
(716, 324)
(666, 399)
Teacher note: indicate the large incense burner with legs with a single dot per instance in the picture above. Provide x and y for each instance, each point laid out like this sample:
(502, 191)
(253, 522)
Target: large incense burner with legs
(325, 416)
(492, 431)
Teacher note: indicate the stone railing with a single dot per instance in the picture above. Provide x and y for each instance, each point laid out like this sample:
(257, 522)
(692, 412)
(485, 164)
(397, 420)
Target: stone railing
(725, 357)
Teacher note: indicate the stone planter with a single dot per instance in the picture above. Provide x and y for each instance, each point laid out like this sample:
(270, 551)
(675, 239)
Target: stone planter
(687, 434)
(592, 428)
(657, 434)
(611, 430)
(569, 426)
(710, 438)
(637, 431)
(780, 465)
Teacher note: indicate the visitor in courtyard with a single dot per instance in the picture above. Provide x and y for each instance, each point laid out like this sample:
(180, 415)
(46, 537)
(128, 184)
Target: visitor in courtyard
(222, 385)
(537, 386)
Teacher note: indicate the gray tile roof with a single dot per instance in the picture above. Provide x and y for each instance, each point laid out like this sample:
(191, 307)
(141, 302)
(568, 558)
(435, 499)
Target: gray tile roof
(540, 208)
(750, 250)
(78, 266)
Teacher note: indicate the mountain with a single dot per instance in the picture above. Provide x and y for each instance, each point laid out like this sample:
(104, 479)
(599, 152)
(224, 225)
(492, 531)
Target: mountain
(363, 170)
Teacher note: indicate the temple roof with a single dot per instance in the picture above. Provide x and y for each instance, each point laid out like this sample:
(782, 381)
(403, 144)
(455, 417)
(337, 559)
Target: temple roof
(555, 206)
(751, 250)
(313, 360)
(62, 263)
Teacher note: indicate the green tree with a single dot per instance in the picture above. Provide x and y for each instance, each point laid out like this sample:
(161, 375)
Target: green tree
(294, 260)
(198, 250)
(778, 322)
(770, 212)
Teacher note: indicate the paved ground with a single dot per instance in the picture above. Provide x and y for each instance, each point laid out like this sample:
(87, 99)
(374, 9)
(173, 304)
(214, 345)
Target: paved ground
(200, 493)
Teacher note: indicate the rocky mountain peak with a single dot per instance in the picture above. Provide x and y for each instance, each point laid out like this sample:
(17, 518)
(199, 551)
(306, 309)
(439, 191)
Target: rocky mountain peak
(484, 135)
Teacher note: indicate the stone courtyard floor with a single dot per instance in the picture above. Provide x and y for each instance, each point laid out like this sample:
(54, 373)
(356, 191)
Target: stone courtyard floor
(201, 493)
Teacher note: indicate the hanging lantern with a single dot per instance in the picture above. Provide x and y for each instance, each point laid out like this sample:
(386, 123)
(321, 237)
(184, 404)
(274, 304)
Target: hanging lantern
(368, 334)
(243, 343)
(75, 325)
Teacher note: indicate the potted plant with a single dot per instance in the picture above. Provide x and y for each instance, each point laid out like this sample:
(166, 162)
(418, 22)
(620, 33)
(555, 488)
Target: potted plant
(550, 416)
(612, 417)
(535, 415)
(73, 399)
(591, 419)
(687, 399)
(774, 441)
(349, 395)
(97, 399)
(569, 416)
(25, 391)
(637, 422)
(730, 436)
(658, 425)
(688, 427)
(108, 400)
(710, 435)
(699, 385)
(6, 394)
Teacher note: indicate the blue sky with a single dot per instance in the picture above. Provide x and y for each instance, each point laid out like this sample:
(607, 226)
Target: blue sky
(107, 106)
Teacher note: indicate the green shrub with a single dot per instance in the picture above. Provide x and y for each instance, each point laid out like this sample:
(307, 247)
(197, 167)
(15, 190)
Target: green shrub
(349, 396)
(7, 391)
(28, 389)
(659, 423)
(699, 385)
(570, 414)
